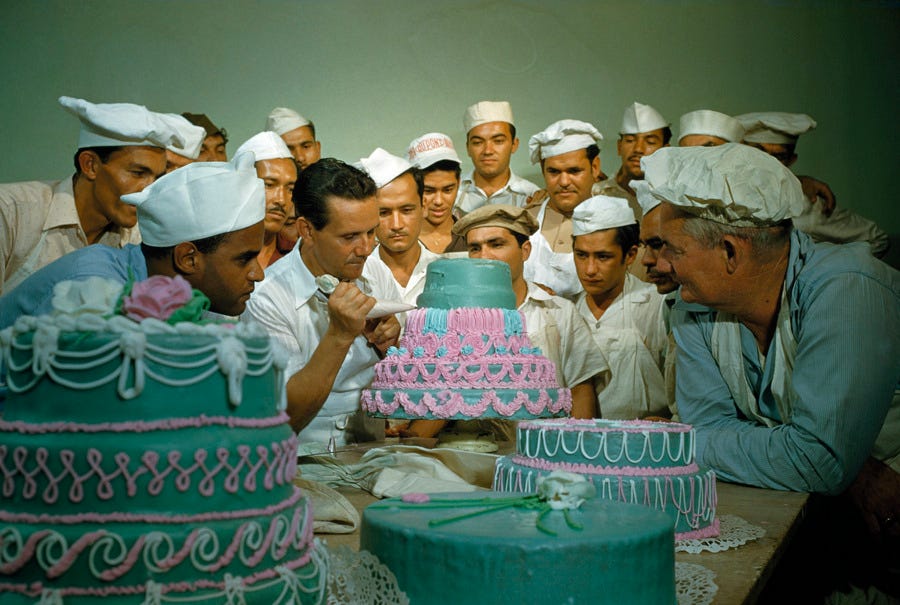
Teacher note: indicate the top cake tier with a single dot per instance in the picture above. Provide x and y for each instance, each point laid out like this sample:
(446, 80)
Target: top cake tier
(453, 283)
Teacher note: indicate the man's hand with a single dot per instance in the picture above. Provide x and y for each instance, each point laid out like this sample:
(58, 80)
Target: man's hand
(815, 189)
(347, 309)
(876, 494)
(383, 332)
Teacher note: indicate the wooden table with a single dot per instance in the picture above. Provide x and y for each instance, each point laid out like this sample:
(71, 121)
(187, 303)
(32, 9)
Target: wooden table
(741, 573)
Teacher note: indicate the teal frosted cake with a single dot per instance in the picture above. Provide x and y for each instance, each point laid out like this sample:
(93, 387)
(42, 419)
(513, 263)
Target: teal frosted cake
(466, 354)
(149, 462)
(447, 550)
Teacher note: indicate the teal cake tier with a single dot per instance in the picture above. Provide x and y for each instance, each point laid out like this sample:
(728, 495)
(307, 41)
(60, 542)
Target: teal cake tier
(622, 554)
(467, 282)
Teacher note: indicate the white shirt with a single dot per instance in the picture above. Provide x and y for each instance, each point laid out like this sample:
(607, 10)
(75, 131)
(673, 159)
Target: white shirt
(515, 193)
(632, 334)
(288, 304)
(416, 283)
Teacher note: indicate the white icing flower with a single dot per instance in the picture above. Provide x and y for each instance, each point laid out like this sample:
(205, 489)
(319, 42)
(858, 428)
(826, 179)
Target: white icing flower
(562, 489)
(95, 295)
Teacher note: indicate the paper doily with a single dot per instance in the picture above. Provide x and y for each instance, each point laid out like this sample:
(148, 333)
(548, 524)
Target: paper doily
(733, 532)
(359, 577)
(694, 584)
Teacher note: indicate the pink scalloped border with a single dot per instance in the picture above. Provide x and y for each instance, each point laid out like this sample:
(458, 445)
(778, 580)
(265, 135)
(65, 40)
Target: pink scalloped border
(140, 426)
(448, 403)
(598, 425)
(614, 471)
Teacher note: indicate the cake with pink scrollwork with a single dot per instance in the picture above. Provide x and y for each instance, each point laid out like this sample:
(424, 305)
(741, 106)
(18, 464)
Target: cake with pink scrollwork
(466, 354)
(145, 456)
(634, 461)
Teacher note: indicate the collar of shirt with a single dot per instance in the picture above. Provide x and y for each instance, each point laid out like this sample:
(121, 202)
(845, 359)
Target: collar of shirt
(516, 184)
(537, 294)
(62, 211)
(305, 282)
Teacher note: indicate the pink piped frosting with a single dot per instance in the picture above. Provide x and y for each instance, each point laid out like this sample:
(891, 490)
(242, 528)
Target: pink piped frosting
(157, 297)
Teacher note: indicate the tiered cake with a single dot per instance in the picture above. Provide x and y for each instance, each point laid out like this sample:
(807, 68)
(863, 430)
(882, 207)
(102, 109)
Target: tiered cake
(649, 463)
(149, 463)
(466, 353)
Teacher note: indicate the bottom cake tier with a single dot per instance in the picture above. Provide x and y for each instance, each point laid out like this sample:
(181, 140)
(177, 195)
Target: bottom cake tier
(466, 404)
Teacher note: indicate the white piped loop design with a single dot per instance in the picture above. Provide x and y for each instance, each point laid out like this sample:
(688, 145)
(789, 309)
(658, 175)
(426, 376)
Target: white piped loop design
(45, 344)
(134, 345)
(234, 590)
(153, 594)
(232, 358)
(51, 597)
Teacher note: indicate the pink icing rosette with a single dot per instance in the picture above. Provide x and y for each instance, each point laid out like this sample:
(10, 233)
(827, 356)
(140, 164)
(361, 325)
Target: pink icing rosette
(157, 297)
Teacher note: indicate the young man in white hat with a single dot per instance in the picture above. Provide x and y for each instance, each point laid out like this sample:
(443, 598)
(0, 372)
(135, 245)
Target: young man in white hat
(569, 154)
(333, 345)
(777, 133)
(213, 148)
(275, 166)
(643, 131)
(399, 196)
(490, 142)
(121, 150)
(435, 157)
(299, 135)
(624, 313)
(203, 222)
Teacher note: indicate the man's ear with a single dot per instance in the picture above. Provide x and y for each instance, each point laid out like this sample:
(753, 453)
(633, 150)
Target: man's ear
(526, 249)
(515, 146)
(89, 163)
(186, 259)
(304, 227)
(595, 168)
(630, 256)
(734, 251)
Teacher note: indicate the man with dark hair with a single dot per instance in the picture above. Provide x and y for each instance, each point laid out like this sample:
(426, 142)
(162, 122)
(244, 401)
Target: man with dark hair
(203, 222)
(569, 155)
(299, 135)
(490, 142)
(332, 333)
(624, 313)
(121, 150)
(213, 148)
(435, 157)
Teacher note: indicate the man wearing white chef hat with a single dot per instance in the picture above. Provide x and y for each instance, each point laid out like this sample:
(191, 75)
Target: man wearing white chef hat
(203, 222)
(706, 128)
(435, 156)
(624, 313)
(569, 154)
(316, 302)
(643, 131)
(399, 196)
(490, 142)
(777, 133)
(121, 149)
(299, 135)
(275, 166)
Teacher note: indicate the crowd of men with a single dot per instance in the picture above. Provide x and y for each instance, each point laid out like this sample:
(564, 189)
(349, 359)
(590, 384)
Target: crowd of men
(702, 281)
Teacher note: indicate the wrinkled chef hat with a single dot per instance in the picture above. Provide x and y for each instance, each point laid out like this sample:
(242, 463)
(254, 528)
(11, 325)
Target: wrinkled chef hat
(265, 145)
(200, 200)
(711, 123)
(383, 167)
(431, 148)
(645, 198)
(601, 212)
(123, 124)
(509, 217)
(732, 183)
(641, 118)
(487, 111)
(562, 137)
(775, 127)
(282, 120)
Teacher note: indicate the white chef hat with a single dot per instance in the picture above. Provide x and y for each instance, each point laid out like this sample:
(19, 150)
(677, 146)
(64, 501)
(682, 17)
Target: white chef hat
(121, 124)
(775, 127)
(732, 183)
(200, 200)
(711, 123)
(265, 145)
(487, 111)
(641, 118)
(601, 212)
(431, 148)
(562, 137)
(645, 198)
(383, 167)
(282, 120)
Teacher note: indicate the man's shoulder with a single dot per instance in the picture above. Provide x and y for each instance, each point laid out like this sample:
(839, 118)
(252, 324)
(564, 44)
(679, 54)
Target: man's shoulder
(521, 185)
(814, 264)
(26, 192)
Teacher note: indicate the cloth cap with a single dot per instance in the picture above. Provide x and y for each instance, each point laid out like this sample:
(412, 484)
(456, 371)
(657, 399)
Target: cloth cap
(601, 212)
(487, 111)
(711, 123)
(431, 148)
(282, 120)
(265, 145)
(645, 198)
(383, 167)
(775, 127)
(732, 183)
(123, 124)
(562, 137)
(507, 216)
(203, 121)
(200, 200)
(641, 118)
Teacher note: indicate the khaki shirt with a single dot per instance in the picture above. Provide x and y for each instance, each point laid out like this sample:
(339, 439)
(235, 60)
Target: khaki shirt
(611, 188)
(38, 224)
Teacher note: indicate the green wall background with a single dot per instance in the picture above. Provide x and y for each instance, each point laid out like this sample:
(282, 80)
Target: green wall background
(381, 73)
